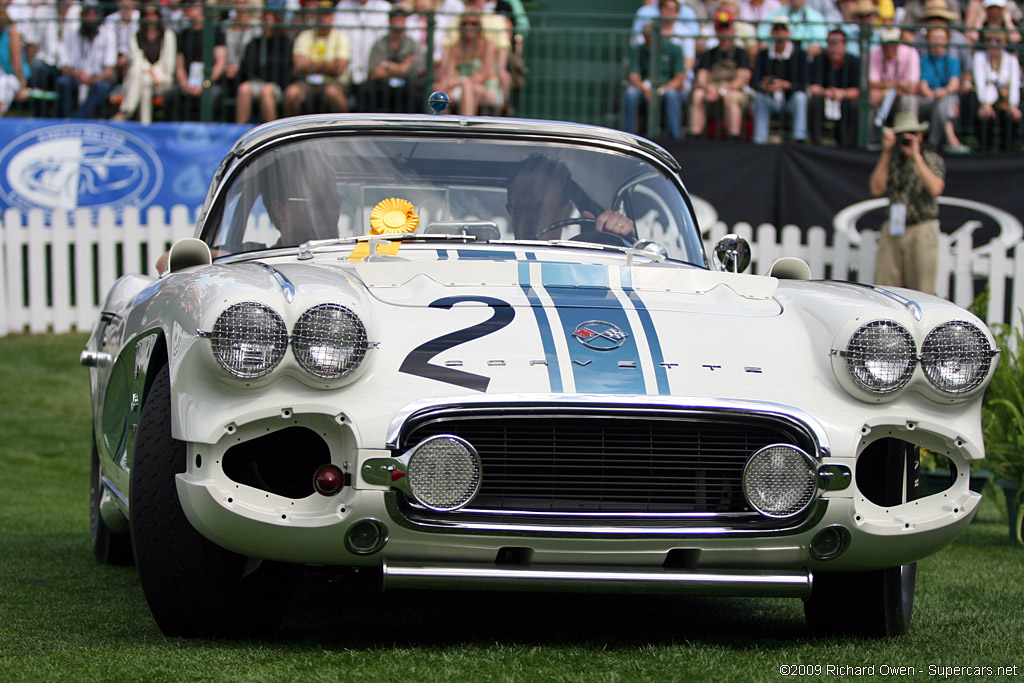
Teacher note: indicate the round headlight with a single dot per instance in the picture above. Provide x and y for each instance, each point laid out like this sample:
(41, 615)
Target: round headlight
(956, 357)
(329, 341)
(249, 339)
(780, 480)
(444, 473)
(880, 357)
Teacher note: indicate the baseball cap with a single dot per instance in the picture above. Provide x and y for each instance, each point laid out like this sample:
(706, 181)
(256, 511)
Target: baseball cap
(780, 20)
(994, 3)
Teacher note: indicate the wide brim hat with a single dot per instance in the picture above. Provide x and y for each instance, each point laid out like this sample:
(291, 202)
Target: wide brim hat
(865, 8)
(937, 9)
(906, 122)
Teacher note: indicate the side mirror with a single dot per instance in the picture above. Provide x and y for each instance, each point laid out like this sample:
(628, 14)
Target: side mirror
(732, 254)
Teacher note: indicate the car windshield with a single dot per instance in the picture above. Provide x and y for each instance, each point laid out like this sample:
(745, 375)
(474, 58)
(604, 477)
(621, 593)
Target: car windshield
(328, 187)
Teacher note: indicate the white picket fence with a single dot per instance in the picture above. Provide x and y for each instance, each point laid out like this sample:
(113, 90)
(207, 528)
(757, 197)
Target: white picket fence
(55, 277)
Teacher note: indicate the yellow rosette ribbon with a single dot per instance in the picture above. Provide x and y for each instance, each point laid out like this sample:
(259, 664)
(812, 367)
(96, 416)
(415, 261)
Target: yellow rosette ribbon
(390, 216)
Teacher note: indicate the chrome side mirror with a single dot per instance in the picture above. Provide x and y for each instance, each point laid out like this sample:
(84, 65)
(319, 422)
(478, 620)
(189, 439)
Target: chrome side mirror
(732, 254)
(653, 248)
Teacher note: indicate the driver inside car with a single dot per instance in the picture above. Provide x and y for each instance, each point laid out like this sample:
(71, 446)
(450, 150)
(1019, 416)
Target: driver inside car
(540, 197)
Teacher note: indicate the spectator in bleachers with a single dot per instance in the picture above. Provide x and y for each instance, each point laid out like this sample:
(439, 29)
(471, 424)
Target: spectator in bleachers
(124, 24)
(45, 32)
(936, 15)
(780, 79)
(321, 57)
(940, 91)
(834, 91)
(266, 70)
(467, 69)
(999, 14)
(13, 84)
(671, 79)
(806, 27)
(363, 22)
(685, 27)
(997, 82)
(183, 98)
(849, 25)
(723, 76)
(87, 61)
(446, 16)
(496, 31)
(894, 76)
(395, 81)
(174, 15)
(239, 31)
(153, 54)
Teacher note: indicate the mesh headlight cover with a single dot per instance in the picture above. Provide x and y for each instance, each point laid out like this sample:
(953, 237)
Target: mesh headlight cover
(444, 473)
(780, 481)
(329, 341)
(880, 357)
(956, 357)
(249, 339)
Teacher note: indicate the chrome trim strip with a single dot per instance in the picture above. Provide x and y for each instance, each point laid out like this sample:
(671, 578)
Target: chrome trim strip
(618, 401)
(731, 582)
(113, 489)
(284, 282)
(909, 304)
(617, 515)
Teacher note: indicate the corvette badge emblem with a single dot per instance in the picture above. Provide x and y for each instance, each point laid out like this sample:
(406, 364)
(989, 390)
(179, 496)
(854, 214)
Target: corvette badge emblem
(599, 335)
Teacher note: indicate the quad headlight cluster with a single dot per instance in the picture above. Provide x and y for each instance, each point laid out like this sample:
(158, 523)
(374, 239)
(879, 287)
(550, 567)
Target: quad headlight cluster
(881, 357)
(250, 339)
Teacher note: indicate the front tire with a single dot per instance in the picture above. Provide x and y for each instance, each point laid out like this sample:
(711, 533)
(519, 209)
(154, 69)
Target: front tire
(193, 587)
(878, 603)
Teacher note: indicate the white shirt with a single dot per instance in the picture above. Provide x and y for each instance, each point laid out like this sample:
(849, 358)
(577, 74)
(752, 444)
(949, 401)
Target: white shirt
(91, 56)
(46, 31)
(123, 30)
(363, 23)
(988, 81)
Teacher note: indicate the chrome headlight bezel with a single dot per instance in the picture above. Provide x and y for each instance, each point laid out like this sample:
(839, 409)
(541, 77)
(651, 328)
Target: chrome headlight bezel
(879, 358)
(329, 341)
(249, 340)
(974, 349)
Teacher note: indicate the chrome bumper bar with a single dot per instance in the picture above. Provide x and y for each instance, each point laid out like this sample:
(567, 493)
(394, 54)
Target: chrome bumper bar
(726, 582)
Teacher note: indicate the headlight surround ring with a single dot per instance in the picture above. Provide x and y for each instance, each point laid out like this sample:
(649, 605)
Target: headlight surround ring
(881, 357)
(329, 341)
(956, 357)
(249, 339)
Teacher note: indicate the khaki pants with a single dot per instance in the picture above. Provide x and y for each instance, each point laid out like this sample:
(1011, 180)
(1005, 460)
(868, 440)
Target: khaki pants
(909, 260)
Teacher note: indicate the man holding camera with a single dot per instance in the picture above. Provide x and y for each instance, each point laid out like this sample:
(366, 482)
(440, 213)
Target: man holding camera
(912, 178)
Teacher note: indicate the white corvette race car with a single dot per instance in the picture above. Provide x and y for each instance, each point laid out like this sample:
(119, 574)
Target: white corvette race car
(490, 354)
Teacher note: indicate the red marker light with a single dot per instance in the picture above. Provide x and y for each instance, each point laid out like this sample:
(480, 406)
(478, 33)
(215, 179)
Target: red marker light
(328, 480)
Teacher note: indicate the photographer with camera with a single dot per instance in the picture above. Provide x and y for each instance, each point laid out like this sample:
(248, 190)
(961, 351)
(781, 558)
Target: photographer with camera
(911, 178)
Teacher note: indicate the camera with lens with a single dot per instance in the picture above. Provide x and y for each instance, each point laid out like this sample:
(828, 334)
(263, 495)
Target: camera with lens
(906, 140)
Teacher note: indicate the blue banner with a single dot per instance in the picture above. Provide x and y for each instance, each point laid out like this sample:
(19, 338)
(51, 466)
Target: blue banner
(64, 165)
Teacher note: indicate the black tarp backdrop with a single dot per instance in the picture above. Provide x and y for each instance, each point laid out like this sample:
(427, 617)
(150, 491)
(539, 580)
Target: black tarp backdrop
(807, 186)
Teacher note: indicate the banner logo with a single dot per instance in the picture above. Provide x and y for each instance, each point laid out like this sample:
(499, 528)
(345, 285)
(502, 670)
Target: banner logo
(79, 165)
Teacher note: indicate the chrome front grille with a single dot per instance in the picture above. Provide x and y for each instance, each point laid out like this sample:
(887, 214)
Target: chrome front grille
(587, 462)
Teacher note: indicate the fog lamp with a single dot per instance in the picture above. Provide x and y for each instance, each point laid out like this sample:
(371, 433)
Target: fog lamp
(829, 543)
(780, 480)
(444, 473)
(366, 537)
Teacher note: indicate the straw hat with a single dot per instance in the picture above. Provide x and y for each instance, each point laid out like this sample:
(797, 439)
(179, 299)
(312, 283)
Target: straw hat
(906, 122)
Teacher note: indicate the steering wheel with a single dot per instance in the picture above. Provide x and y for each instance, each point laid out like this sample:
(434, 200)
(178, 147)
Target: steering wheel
(592, 235)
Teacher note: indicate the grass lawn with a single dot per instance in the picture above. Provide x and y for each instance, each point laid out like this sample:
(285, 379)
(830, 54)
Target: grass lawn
(63, 617)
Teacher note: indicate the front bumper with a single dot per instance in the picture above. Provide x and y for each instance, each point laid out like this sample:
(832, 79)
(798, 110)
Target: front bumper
(697, 554)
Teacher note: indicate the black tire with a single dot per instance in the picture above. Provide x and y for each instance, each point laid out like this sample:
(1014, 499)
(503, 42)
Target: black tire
(194, 588)
(108, 546)
(877, 604)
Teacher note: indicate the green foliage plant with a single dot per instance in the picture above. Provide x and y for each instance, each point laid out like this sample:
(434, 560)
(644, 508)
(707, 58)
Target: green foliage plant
(1003, 415)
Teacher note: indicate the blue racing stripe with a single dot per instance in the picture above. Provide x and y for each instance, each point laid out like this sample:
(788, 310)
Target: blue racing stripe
(485, 254)
(582, 294)
(546, 338)
(653, 343)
